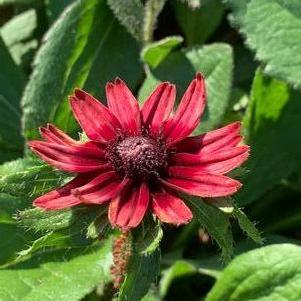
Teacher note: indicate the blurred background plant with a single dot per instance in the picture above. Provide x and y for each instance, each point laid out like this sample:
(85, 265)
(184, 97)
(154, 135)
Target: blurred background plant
(250, 54)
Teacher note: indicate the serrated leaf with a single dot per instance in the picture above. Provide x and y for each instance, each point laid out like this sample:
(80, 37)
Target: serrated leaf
(223, 204)
(214, 61)
(268, 273)
(148, 236)
(215, 222)
(199, 23)
(153, 54)
(130, 14)
(60, 275)
(141, 272)
(28, 178)
(247, 226)
(272, 124)
(272, 29)
(44, 221)
(79, 50)
(12, 82)
(13, 240)
(18, 35)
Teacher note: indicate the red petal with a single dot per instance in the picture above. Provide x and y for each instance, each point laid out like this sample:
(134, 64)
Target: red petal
(128, 209)
(225, 137)
(106, 191)
(193, 182)
(61, 198)
(170, 209)
(124, 106)
(73, 158)
(158, 107)
(53, 134)
(95, 119)
(188, 114)
(219, 162)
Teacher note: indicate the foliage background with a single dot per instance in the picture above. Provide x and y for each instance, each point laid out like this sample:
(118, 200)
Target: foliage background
(250, 54)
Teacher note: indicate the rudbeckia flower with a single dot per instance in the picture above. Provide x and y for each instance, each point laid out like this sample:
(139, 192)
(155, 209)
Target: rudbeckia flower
(140, 159)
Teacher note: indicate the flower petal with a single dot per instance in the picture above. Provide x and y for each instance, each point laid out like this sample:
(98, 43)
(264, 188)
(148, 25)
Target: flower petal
(123, 105)
(104, 192)
(187, 116)
(158, 107)
(61, 197)
(194, 182)
(52, 134)
(219, 162)
(128, 209)
(95, 119)
(169, 208)
(225, 137)
(73, 158)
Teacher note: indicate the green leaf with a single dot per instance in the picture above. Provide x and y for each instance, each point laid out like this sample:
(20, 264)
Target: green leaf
(153, 54)
(18, 35)
(268, 273)
(214, 61)
(82, 49)
(61, 276)
(152, 10)
(13, 240)
(273, 35)
(178, 269)
(182, 268)
(141, 272)
(12, 81)
(44, 221)
(148, 236)
(215, 222)
(223, 204)
(199, 23)
(55, 8)
(247, 226)
(28, 178)
(16, 2)
(272, 124)
(130, 14)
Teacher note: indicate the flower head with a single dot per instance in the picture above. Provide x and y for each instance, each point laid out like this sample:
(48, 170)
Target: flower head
(140, 159)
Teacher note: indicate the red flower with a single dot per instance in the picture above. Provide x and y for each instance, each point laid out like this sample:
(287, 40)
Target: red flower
(137, 159)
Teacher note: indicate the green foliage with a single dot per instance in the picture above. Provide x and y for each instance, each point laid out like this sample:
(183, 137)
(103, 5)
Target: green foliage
(272, 124)
(198, 24)
(216, 223)
(60, 45)
(12, 82)
(44, 221)
(247, 226)
(152, 10)
(76, 53)
(153, 54)
(130, 13)
(148, 236)
(274, 36)
(268, 273)
(141, 272)
(18, 35)
(54, 275)
(28, 178)
(55, 8)
(214, 61)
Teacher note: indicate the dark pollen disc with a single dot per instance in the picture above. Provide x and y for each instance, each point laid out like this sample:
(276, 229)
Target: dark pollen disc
(138, 157)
